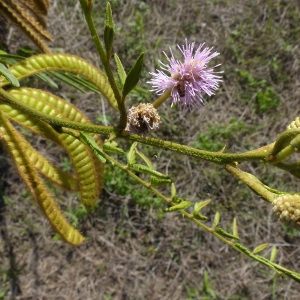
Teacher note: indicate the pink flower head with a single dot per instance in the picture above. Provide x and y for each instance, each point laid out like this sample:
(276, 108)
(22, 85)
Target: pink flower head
(190, 79)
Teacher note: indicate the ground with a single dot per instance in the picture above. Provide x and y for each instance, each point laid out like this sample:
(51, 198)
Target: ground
(132, 252)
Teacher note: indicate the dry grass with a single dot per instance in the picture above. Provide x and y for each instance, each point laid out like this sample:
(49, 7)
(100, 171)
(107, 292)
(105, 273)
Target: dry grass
(130, 253)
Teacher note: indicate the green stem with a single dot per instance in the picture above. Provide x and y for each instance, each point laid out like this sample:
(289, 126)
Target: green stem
(243, 250)
(160, 100)
(58, 122)
(236, 246)
(216, 157)
(87, 10)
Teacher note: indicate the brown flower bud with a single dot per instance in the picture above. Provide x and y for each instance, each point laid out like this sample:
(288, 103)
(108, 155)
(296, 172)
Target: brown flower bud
(287, 209)
(142, 119)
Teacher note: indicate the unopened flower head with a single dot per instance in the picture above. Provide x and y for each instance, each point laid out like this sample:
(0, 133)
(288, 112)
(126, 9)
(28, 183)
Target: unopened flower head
(287, 209)
(188, 80)
(142, 119)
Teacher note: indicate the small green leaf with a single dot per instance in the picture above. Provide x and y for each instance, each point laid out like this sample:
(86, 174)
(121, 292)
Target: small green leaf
(120, 69)
(273, 254)
(180, 206)
(216, 219)
(9, 75)
(234, 228)
(74, 80)
(177, 199)
(173, 190)
(89, 140)
(159, 181)
(200, 205)
(146, 170)
(109, 30)
(47, 79)
(109, 34)
(133, 75)
(145, 159)
(242, 248)
(260, 248)
(109, 16)
(112, 147)
(200, 217)
(131, 154)
(9, 59)
(225, 233)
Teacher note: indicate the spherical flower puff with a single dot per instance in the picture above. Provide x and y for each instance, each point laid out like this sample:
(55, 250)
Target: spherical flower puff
(189, 80)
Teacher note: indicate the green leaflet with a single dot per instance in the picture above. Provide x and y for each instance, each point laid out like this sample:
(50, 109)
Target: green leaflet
(146, 170)
(235, 228)
(63, 62)
(133, 75)
(260, 248)
(182, 205)
(131, 154)
(47, 79)
(155, 181)
(87, 139)
(216, 219)
(76, 81)
(9, 59)
(13, 141)
(112, 147)
(8, 75)
(108, 38)
(225, 233)
(173, 190)
(145, 159)
(157, 178)
(273, 254)
(198, 206)
(120, 69)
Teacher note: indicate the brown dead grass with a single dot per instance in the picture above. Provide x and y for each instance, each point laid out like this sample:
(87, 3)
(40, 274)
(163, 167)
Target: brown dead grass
(130, 254)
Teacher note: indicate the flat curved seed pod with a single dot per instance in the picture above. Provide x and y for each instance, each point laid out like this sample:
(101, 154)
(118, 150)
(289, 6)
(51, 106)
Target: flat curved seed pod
(26, 22)
(63, 62)
(13, 141)
(66, 180)
(89, 170)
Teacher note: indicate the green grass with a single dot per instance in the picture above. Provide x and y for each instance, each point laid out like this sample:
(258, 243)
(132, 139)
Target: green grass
(217, 136)
(117, 181)
(259, 91)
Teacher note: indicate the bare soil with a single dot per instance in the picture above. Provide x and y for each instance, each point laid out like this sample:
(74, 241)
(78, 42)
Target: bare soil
(130, 252)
